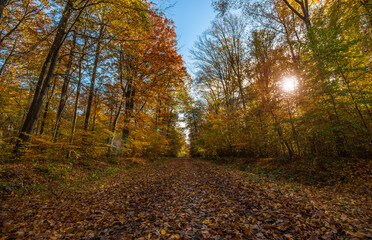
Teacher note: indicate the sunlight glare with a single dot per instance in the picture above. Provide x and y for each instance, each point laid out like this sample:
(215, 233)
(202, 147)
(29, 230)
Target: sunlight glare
(289, 84)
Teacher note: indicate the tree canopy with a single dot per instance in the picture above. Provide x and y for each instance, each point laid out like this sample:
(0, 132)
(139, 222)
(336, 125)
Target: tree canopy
(284, 78)
(88, 78)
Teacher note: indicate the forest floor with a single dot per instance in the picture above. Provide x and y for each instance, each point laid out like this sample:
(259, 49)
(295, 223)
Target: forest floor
(348, 175)
(188, 199)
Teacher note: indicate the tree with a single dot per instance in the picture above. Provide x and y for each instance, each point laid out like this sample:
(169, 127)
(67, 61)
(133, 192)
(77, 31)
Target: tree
(47, 72)
(80, 71)
(321, 46)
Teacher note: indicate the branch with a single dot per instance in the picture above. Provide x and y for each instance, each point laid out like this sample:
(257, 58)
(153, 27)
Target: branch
(294, 10)
(76, 19)
(307, 6)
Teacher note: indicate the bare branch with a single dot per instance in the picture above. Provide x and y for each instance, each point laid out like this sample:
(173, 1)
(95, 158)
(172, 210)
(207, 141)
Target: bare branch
(294, 10)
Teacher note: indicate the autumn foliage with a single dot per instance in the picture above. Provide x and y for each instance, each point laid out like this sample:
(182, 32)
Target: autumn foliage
(92, 94)
(87, 79)
(287, 79)
(186, 199)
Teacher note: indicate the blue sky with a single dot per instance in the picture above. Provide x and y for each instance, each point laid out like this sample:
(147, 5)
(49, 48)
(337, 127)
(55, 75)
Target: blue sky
(192, 18)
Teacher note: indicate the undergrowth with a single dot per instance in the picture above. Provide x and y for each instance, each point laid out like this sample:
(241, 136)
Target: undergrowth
(346, 174)
(45, 177)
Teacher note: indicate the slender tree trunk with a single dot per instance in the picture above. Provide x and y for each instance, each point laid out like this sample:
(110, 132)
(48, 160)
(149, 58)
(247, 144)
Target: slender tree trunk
(94, 75)
(117, 115)
(280, 134)
(339, 136)
(78, 87)
(129, 104)
(113, 129)
(66, 82)
(46, 109)
(295, 135)
(305, 15)
(8, 57)
(354, 100)
(74, 119)
(340, 143)
(95, 109)
(263, 133)
(278, 127)
(241, 93)
(45, 77)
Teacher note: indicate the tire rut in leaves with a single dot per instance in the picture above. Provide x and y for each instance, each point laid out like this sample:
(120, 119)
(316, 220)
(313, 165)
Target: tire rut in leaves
(188, 199)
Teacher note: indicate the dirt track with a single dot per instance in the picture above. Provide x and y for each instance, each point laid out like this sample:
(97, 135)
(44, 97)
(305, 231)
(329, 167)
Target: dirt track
(188, 199)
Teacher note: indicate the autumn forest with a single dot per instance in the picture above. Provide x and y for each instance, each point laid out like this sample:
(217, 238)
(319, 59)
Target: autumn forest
(82, 78)
(106, 134)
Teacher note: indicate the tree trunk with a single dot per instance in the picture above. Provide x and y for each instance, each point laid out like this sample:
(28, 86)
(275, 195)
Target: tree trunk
(294, 132)
(279, 130)
(46, 109)
(129, 104)
(5, 62)
(45, 78)
(305, 16)
(94, 75)
(347, 83)
(117, 115)
(80, 77)
(113, 129)
(95, 109)
(66, 82)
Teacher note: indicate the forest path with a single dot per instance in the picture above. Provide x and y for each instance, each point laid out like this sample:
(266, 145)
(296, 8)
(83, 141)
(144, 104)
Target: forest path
(188, 199)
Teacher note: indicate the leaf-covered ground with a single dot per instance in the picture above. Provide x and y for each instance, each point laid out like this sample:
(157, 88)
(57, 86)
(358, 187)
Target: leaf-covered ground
(189, 199)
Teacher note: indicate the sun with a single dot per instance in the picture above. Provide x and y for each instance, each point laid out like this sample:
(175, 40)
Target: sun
(289, 84)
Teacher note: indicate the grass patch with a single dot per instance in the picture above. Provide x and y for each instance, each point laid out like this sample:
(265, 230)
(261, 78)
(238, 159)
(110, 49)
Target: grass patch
(18, 178)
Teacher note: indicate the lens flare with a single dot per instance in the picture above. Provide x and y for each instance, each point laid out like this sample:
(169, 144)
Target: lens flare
(289, 84)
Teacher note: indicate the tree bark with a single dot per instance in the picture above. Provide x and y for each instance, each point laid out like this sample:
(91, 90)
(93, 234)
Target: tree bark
(46, 109)
(305, 16)
(129, 104)
(94, 75)
(66, 82)
(80, 77)
(5, 62)
(113, 129)
(117, 115)
(95, 109)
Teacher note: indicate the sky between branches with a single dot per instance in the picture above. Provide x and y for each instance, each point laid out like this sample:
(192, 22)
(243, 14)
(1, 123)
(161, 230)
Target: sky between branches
(192, 18)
